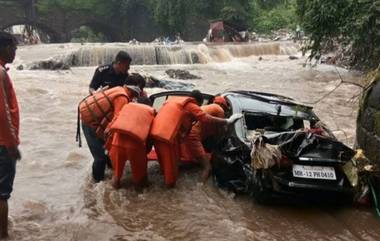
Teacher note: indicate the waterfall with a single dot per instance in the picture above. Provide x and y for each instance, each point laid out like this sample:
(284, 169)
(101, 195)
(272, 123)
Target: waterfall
(149, 54)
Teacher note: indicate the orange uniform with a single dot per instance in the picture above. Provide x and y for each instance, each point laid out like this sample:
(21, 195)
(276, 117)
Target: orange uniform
(9, 111)
(130, 129)
(172, 124)
(192, 146)
(98, 109)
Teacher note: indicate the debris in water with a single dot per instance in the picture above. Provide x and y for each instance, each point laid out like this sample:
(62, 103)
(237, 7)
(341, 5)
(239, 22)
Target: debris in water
(180, 74)
(50, 64)
(153, 82)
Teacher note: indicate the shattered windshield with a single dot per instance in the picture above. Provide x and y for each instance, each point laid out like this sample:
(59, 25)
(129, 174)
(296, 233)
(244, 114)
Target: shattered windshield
(274, 123)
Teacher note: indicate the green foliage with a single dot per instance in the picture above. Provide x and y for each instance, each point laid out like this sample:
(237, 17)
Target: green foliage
(174, 16)
(269, 4)
(351, 23)
(45, 6)
(171, 15)
(281, 16)
(236, 12)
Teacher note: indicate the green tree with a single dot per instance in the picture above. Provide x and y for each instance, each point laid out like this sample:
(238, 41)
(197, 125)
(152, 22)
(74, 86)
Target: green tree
(354, 24)
(267, 16)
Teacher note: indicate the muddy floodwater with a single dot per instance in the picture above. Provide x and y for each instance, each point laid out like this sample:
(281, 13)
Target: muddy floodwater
(54, 197)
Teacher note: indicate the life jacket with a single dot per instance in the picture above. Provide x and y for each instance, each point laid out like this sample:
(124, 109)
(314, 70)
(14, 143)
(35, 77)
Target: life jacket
(134, 120)
(96, 110)
(169, 119)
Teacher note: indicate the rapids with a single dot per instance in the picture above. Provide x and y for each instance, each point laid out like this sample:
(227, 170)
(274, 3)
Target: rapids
(55, 199)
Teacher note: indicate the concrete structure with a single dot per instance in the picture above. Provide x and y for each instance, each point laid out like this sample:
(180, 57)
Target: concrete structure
(59, 25)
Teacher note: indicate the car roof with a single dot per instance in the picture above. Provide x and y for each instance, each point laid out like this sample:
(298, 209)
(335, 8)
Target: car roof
(179, 93)
(273, 104)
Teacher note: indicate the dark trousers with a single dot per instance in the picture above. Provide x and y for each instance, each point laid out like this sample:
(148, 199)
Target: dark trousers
(97, 150)
(7, 173)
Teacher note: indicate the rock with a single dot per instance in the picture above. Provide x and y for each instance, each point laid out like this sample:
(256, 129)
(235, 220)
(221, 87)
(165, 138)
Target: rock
(153, 82)
(180, 74)
(20, 67)
(368, 121)
(291, 57)
(260, 58)
(50, 64)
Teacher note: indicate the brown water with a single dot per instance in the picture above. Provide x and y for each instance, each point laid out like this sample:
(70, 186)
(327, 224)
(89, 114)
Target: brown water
(55, 199)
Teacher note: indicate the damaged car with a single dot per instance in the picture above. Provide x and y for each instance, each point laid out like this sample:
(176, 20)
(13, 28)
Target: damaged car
(278, 151)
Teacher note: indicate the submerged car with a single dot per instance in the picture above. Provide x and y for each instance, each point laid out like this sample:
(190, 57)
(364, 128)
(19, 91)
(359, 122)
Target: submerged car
(278, 151)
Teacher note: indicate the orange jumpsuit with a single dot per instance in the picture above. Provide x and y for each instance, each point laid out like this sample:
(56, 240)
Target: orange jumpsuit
(122, 146)
(192, 146)
(168, 152)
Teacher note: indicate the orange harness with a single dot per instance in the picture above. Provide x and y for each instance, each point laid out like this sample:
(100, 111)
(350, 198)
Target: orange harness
(96, 110)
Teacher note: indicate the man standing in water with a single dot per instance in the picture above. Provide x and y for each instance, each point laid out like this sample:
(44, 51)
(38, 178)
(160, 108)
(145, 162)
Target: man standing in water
(112, 75)
(9, 129)
(105, 77)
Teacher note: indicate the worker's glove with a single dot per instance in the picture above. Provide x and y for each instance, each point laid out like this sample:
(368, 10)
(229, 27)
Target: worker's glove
(233, 118)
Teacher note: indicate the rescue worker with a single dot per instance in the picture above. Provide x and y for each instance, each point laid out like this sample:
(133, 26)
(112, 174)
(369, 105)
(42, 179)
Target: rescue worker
(9, 129)
(96, 112)
(172, 124)
(112, 75)
(138, 80)
(128, 141)
(202, 131)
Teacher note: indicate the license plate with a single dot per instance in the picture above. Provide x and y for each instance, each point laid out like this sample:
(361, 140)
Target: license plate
(314, 172)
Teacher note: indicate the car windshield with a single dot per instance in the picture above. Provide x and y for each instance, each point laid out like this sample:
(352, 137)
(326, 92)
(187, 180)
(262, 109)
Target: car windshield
(159, 99)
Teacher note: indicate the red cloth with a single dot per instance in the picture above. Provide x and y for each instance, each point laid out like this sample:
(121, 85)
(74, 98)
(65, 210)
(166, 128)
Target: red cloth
(9, 111)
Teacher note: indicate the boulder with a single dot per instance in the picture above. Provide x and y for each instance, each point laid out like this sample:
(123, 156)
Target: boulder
(180, 74)
(153, 82)
(50, 64)
(368, 121)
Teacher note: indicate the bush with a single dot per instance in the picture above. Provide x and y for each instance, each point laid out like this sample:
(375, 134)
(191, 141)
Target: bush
(353, 24)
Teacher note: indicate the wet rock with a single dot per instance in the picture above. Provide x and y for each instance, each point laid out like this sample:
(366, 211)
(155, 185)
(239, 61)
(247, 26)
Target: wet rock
(180, 74)
(134, 41)
(291, 57)
(20, 67)
(328, 60)
(195, 58)
(153, 82)
(368, 121)
(50, 64)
